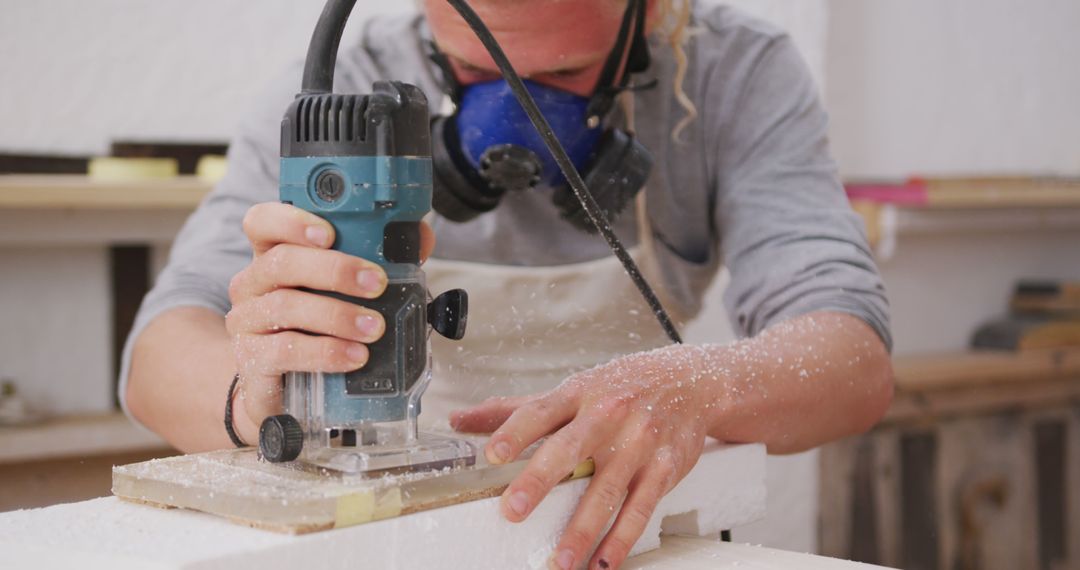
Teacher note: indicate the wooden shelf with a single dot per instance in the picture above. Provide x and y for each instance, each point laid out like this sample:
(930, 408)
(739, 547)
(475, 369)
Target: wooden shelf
(929, 386)
(970, 193)
(75, 436)
(981, 368)
(66, 192)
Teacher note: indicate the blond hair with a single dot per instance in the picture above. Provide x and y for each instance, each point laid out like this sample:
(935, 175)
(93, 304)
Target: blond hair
(674, 23)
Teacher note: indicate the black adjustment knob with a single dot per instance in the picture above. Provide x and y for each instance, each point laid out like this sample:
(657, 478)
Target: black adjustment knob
(448, 313)
(280, 438)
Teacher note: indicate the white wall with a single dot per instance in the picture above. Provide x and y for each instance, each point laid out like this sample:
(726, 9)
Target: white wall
(954, 86)
(54, 326)
(942, 287)
(958, 87)
(79, 73)
(806, 20)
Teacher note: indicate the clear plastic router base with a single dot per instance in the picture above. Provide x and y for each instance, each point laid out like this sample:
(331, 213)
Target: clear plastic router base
(424, 453)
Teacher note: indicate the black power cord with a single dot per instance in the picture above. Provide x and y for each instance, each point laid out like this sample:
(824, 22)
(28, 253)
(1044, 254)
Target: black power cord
(592, 209)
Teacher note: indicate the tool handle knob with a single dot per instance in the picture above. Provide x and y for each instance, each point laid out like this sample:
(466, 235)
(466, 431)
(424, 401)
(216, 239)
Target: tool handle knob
(449, 313)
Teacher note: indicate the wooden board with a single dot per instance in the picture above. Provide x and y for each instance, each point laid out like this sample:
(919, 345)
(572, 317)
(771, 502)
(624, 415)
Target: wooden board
(929, 387)
(81, 192)
(970, 369)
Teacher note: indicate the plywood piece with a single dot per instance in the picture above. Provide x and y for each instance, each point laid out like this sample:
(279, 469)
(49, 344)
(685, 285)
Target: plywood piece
(725, 490)
(237, 485)
(684, 553)
(27, 191)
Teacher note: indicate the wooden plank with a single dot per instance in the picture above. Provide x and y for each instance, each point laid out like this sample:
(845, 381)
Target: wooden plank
(1050, 456)
(919, 510)
(990, 192)
(42, 164)
(971, 193)
(986, 486)
(837, 462)
(887, 494)
(930, 387)
(927, 408)
(972, 369)
(864, 516)
(81, 192)
(1072, 493)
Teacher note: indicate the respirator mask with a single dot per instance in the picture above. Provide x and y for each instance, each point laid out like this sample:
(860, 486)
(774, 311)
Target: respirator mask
(488, 146)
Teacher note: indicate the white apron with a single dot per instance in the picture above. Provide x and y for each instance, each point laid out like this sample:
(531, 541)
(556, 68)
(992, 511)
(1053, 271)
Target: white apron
(530, 328)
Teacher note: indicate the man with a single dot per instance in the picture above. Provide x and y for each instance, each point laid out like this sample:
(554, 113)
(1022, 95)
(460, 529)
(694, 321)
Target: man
(741, 175)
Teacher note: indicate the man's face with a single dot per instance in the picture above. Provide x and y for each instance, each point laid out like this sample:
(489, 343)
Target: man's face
(560, 43)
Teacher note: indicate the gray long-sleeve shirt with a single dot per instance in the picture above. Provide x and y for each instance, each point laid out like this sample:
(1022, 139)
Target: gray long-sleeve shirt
(751, 184)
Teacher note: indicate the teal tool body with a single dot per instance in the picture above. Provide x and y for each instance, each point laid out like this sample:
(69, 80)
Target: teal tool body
(363, 163)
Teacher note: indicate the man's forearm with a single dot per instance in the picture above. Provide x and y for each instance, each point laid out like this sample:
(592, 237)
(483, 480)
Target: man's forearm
(800, 383)
(181, 367)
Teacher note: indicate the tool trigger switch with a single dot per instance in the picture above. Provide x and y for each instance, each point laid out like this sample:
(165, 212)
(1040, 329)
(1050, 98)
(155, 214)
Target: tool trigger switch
(448, 313)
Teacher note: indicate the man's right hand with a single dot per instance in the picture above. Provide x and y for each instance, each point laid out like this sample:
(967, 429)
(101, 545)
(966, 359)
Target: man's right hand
(276, 327)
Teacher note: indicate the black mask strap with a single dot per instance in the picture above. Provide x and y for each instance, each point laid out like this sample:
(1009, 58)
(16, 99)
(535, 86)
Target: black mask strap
(638, 60)
(442, 62)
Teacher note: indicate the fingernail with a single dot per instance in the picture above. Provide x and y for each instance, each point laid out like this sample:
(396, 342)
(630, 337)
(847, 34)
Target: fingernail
(564, 560)
(502, 452)
(317, 235)
(357, 353)
(368, 325)
(519, 503)
(370, 281)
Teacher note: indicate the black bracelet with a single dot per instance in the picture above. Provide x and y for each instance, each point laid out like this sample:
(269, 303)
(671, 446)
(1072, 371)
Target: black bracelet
(229, 414)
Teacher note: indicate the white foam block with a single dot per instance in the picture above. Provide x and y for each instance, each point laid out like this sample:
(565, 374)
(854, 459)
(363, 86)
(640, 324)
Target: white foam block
(683, 553)
(725, 490)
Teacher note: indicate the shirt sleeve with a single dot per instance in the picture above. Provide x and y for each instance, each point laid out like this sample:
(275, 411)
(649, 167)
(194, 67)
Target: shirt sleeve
(211, 247)
(788, 235)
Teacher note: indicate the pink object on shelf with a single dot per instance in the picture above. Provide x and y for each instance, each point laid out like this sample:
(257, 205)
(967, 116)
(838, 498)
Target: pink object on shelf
(912, 193)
